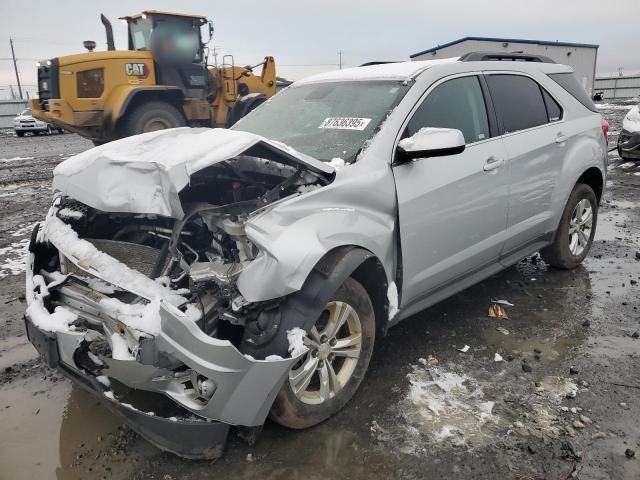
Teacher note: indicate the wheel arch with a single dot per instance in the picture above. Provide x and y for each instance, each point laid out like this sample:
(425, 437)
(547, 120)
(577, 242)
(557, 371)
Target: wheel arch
(303, 307)
(594, 178)
(126, 100)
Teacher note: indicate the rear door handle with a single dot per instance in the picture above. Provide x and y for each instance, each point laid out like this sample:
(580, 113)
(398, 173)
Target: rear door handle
(492, 163)
(561, 137)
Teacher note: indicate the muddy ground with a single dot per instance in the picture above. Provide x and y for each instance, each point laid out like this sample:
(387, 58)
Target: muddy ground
(564, 403)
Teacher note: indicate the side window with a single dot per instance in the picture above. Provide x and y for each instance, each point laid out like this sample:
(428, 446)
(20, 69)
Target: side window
(457, 103)
(554, 111)
(518, 100)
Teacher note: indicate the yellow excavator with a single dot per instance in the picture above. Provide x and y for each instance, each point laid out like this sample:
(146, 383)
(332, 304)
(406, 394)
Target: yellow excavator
(161, 81)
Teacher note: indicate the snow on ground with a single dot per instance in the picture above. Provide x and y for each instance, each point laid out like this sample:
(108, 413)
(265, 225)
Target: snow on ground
(13, 256)
(440, 407)
(611, 106)
(15, 159)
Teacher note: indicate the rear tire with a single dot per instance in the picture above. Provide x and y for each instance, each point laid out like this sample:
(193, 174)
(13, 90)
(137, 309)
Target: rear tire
(340, 357)
(577, 228)
(151, 116)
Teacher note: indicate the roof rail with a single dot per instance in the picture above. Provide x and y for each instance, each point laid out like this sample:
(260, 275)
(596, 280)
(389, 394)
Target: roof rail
(368, 64)
(502, 56)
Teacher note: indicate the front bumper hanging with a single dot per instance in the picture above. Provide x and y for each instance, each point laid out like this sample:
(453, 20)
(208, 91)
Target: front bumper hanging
(241, 389)
(188, 438)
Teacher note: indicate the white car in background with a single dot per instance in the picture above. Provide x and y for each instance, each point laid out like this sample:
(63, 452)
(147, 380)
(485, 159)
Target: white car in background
(24, 123)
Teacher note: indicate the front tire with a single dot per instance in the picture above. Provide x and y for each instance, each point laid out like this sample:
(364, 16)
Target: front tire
(20, 134)
(576, 231)
(328, 375)
(151, 116)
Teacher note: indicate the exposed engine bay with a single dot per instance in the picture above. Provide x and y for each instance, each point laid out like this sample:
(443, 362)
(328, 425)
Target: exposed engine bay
(201, 255)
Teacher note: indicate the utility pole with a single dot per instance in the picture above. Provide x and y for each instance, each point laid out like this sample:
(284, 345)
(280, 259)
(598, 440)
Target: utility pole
(15, 67)
(340, 52)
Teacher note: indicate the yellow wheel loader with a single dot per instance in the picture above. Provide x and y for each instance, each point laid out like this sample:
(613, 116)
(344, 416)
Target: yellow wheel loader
(161, 81)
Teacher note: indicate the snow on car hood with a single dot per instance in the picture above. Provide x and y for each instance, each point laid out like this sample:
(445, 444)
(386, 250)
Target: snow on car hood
(145, 173)
(631, 122)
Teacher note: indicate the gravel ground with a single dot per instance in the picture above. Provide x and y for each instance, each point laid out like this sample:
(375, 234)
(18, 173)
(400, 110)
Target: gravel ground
(562, 404)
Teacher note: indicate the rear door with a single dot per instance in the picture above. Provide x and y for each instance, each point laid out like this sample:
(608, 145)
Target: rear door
(452, 209)
(531, 123)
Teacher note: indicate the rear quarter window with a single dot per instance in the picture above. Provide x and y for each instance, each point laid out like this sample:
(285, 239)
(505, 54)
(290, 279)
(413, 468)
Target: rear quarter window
(518, 101)
(554, 111)
(570, 83)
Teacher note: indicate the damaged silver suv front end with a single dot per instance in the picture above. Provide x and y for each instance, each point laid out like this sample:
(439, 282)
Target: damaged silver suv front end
(133, 281)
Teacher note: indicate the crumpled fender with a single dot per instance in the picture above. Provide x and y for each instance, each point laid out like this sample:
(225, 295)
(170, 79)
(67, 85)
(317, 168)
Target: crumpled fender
(357, 209)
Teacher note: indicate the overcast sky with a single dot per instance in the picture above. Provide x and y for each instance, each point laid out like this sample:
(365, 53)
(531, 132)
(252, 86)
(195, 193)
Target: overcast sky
(305, 36)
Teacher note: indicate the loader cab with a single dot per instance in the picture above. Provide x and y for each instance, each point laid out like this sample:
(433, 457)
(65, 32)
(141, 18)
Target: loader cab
(176, 44)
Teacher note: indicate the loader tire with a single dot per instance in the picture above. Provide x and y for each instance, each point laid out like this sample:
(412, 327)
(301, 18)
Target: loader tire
(151, 116)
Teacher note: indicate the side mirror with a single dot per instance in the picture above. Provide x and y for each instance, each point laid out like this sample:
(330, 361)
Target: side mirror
(430, 142)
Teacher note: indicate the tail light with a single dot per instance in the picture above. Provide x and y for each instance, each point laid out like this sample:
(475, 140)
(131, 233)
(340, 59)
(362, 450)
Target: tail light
(605, 129)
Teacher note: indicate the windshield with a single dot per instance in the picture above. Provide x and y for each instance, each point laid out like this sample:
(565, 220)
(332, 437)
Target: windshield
(26, 112)
(325, 120)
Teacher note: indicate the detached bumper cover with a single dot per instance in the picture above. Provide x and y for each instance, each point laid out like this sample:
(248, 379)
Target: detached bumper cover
(629, 145)
(164, 367)
(186, 438)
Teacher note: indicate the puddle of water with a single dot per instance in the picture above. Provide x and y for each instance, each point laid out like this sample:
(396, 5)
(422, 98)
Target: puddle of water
(47, 426)
(15, 350)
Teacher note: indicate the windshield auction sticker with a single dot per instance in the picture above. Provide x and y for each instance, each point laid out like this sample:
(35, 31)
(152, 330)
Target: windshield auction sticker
(345, 123)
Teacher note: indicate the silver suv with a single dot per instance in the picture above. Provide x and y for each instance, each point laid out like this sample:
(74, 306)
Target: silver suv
(214, 277)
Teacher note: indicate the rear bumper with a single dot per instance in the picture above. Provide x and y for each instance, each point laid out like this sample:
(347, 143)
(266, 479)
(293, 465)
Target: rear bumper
(193, 438)
(629, 145)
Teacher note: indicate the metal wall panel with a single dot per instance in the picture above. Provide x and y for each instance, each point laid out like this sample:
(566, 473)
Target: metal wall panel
(9, 109)
(618, 87)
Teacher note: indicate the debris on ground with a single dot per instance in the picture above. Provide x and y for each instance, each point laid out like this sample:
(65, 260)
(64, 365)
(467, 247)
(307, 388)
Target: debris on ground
(498, 358)
(504, 303)
(497, 311)
(464, 349)
(630, 453)
(502, 330)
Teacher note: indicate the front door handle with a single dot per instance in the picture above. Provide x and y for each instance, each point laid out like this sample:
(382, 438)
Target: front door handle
(492, 163)
(561, 137)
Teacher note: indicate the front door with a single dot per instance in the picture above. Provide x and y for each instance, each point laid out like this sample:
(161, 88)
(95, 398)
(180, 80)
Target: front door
(452, 209)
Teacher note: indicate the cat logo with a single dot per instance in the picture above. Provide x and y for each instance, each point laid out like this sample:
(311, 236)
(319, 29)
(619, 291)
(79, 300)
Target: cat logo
(137, 69)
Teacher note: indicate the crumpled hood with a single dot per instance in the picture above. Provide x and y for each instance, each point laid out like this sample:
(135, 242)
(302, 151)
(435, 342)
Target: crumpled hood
(144, 173)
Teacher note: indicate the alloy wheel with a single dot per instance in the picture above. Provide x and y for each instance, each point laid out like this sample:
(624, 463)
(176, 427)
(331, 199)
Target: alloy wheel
(334, 345)
(580, 227)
